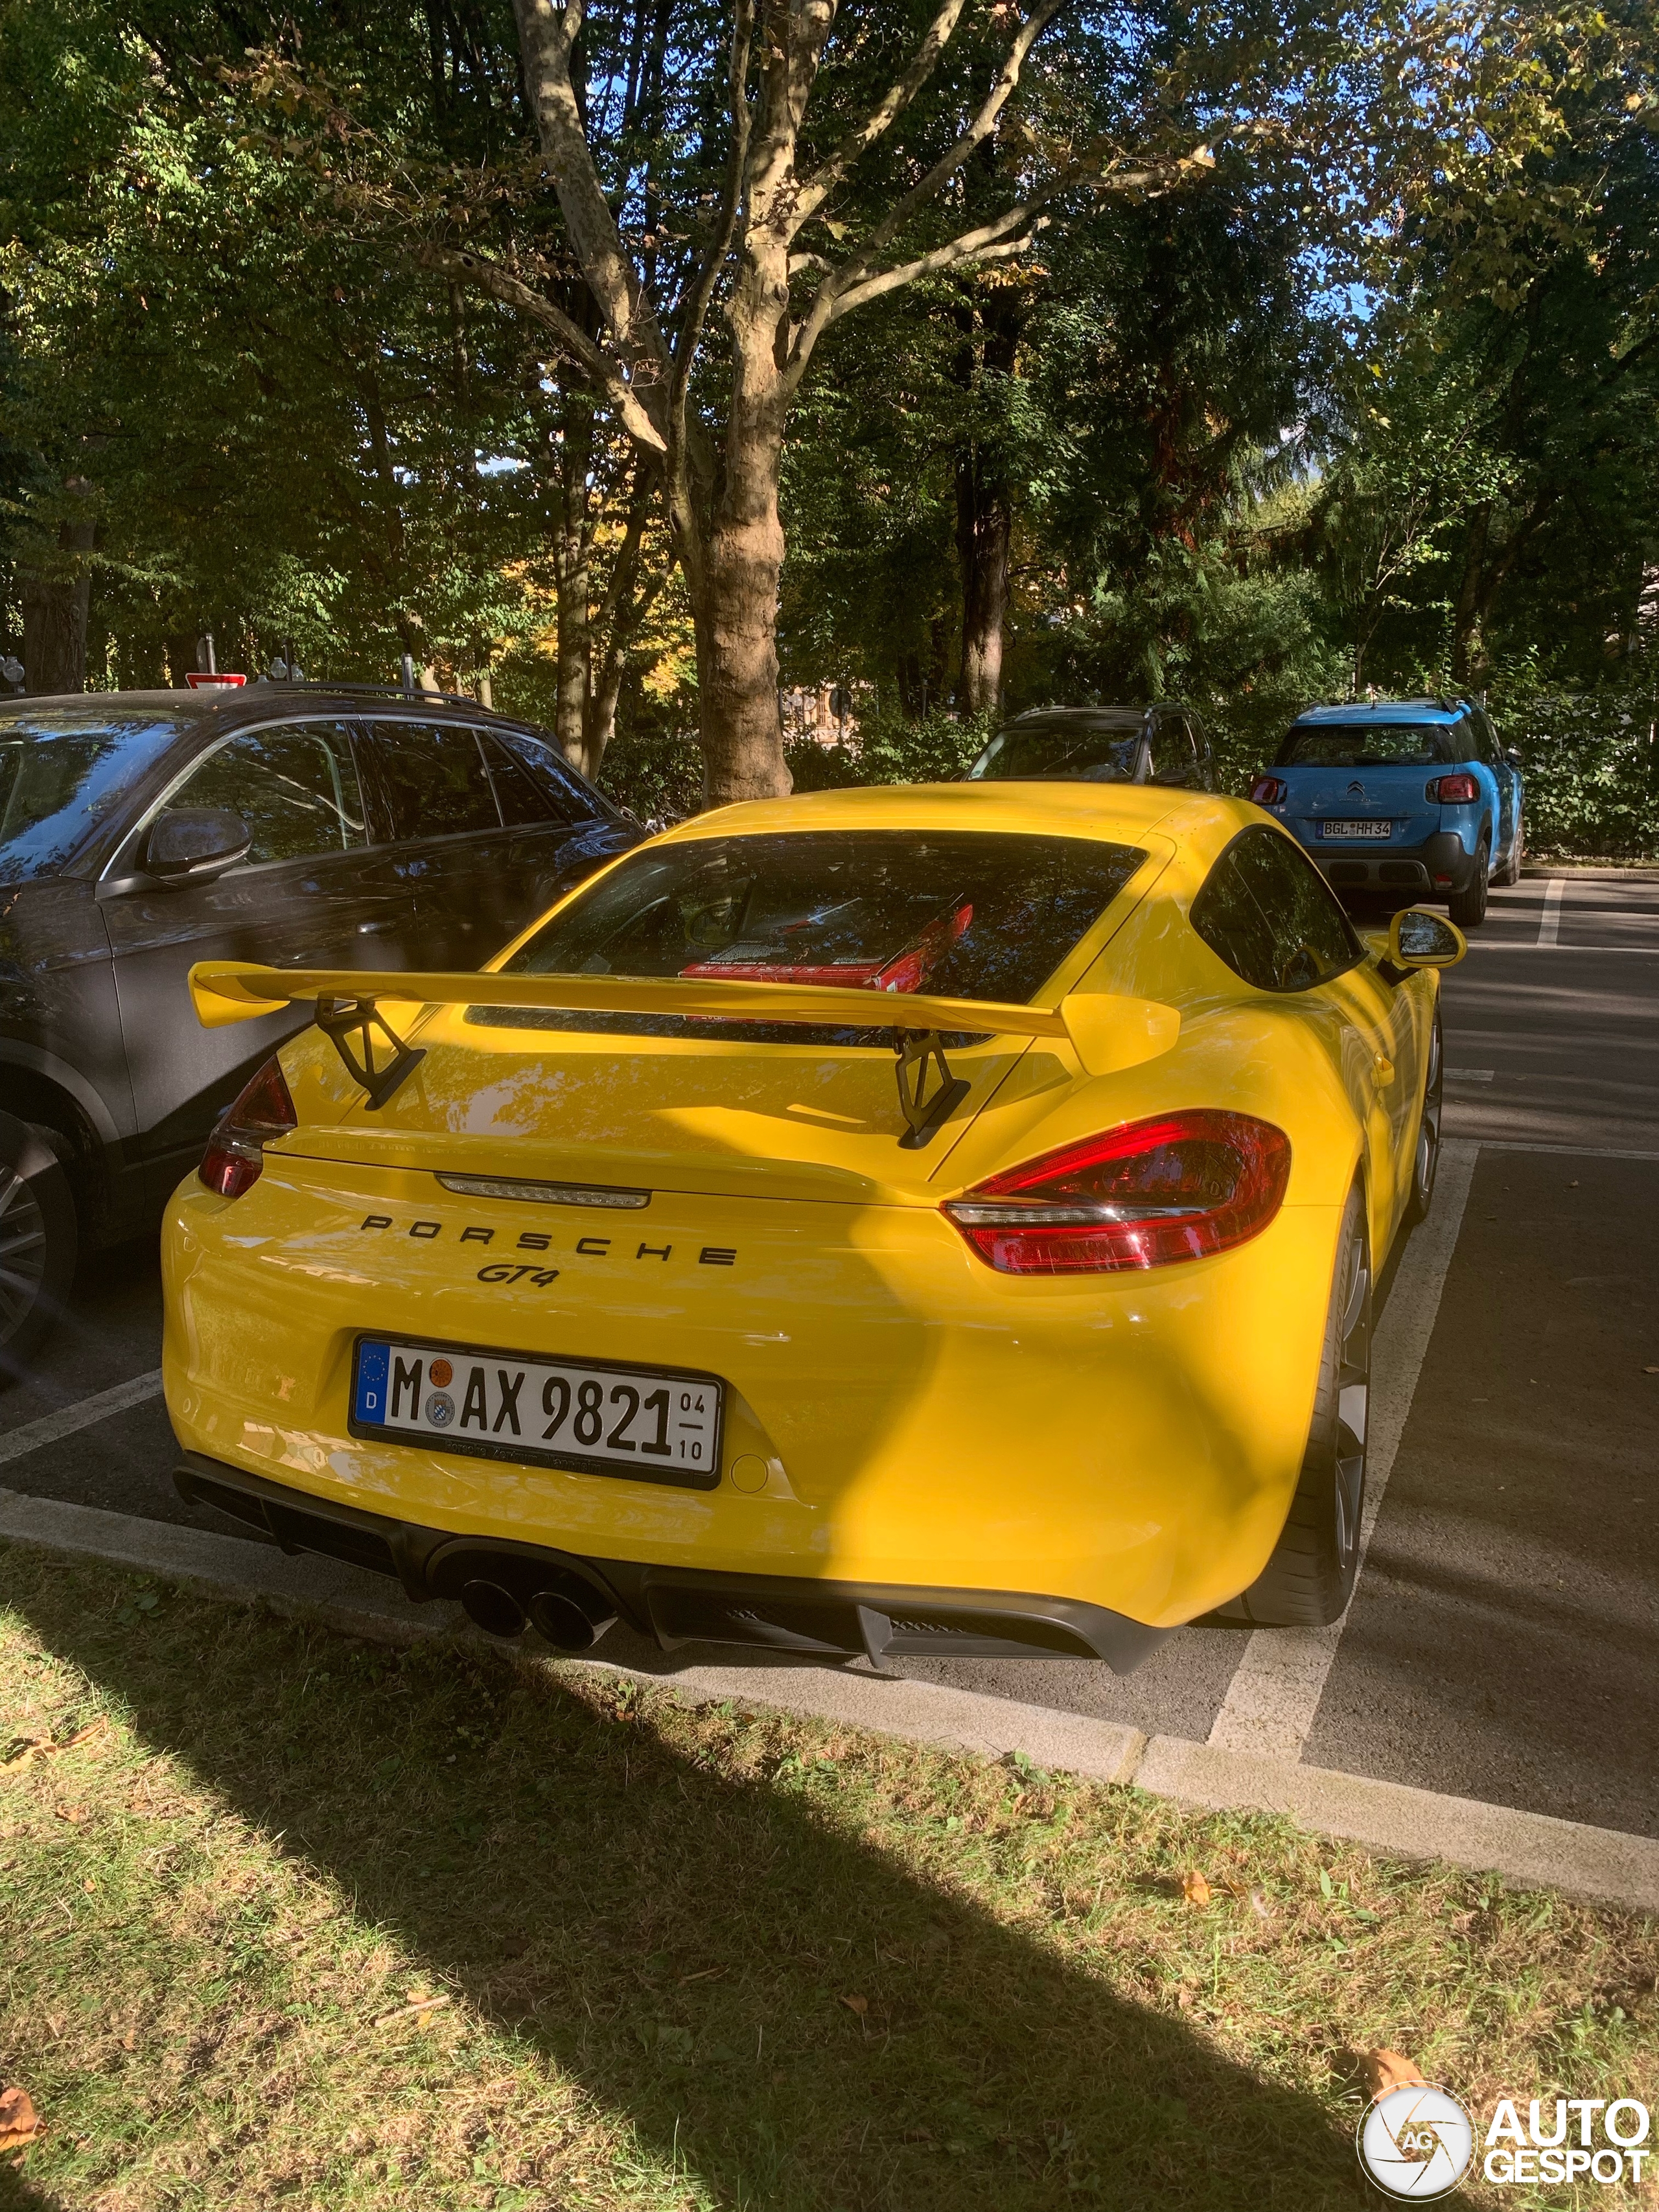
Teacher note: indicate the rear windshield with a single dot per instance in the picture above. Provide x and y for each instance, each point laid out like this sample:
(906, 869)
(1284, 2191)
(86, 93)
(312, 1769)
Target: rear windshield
(1372, 744)
(1035, 751)
(62, 769)
(957, 914)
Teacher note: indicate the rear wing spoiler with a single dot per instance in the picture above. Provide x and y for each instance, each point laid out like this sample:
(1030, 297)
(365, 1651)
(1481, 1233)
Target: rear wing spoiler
(1107, 1032)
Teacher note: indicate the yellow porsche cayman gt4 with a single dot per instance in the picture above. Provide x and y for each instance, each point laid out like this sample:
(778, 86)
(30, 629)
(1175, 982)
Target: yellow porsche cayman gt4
(888, 1222)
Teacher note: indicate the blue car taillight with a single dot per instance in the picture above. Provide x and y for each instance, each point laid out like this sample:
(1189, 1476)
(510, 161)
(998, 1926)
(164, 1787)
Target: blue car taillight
(1459, 790)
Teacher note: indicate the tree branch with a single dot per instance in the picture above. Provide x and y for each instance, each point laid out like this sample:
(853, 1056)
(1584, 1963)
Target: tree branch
(815, 189)
(547, 33)
(957, 254)
(980, 128)
(605, 374)
(702, 290)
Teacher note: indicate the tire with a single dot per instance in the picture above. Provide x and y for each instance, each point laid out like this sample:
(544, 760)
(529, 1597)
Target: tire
(1425, 1160)
(38, 1241)
(1307, 1580)
(1511, 870)
(1468, 908)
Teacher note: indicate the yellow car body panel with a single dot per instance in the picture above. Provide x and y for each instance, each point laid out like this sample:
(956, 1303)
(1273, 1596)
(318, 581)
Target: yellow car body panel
(1130, 1441)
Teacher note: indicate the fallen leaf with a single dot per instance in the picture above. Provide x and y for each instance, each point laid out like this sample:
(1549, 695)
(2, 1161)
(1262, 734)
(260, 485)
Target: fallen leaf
(1195, 1888)
(405, 2012)
(860, 2005)
(1260, 1905)
(1388, 2069)
(93, 1732)
(20, 2124)
(89, 1885)
(22, 1748)
(1650, 1370)
(73, 1814)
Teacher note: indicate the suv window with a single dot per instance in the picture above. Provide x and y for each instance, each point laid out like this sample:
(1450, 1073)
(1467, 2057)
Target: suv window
(294, 786)
(1367, 745)
(522, 798)
(549, 767)
(431, 779)
(1268, 912)
(1173, 758)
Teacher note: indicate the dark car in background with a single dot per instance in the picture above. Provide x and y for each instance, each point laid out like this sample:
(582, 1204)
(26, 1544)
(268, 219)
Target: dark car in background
(299, 824)
(1164, 743)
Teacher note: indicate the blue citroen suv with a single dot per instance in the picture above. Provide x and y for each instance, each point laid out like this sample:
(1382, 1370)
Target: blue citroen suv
(1410, 796)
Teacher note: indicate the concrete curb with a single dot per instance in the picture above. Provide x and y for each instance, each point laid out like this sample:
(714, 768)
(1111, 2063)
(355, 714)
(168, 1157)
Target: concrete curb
(1526, 1847)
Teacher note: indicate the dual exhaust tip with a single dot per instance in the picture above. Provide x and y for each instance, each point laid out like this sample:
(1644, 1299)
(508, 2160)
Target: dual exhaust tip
(570, 1615)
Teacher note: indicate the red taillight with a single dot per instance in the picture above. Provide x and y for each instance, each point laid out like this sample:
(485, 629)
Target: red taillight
(1179, 1187)
(1268, 791)
(235, 1151)
(1455, 790)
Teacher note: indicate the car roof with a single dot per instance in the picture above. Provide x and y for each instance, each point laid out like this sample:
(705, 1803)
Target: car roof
(1387, 710)
(1085, 718)
(257, 696)
(1113, 813)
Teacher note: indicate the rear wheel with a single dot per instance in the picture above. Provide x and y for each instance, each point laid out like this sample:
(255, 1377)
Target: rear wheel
(1426, 1159)
(36, 1242)
(1309, 1579)
(1468, 908)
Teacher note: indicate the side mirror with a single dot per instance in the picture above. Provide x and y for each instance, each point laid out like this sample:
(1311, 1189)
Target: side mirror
(1512, 755)
(193, 844)
(1417, 938)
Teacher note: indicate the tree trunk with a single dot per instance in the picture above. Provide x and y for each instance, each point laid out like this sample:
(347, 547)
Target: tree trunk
(983, 528)
(734, 595)
(572, 575)
(984, 510)
(56, 598)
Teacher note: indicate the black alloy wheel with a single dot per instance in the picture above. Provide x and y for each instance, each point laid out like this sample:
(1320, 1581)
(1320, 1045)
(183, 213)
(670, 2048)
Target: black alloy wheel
(1309, 1579)
(1468, 908)
(1425, 1160)
(37, 1244)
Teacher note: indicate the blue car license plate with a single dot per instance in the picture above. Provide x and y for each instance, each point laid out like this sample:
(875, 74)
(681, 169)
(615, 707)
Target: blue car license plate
(655, 1424)
(1356, 829)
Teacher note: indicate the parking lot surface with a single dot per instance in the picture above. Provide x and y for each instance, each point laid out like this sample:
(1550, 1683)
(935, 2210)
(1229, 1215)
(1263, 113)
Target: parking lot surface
(1504, 1640)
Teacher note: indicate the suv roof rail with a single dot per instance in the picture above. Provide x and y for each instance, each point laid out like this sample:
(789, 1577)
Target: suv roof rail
(376, 692)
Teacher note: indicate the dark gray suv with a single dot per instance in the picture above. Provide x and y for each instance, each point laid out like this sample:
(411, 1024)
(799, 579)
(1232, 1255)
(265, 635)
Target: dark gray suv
(1164, 743)
(142, 831)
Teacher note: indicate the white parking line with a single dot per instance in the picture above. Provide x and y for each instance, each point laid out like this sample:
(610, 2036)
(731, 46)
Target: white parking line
(1270, 1705)
(1549, 921)
(82, 1415)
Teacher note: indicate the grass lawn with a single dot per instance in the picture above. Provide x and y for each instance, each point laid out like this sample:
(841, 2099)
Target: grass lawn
(302, 1921)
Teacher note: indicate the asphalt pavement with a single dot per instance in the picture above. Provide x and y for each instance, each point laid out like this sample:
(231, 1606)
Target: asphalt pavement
(1503, 1641)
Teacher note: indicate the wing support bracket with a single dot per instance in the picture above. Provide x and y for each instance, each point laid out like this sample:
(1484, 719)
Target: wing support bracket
(340, 1019)
(913, 1050)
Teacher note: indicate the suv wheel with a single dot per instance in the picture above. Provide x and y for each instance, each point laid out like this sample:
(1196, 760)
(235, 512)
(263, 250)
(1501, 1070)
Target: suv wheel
(36, 1242)
(1468, 908)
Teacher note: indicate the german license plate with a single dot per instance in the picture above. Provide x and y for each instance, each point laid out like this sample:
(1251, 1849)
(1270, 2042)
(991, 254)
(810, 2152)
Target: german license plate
(1356, 829)
(657, 1424)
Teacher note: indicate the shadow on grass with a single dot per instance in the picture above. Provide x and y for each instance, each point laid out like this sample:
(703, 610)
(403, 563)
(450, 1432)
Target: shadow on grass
(577, 1874)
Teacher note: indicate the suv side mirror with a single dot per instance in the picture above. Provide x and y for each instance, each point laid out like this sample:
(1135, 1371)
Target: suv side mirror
(1512, 755)
(193, 844)
(1417, 938)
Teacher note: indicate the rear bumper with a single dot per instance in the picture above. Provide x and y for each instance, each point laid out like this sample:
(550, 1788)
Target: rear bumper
(1439, 864)
(679, 1606)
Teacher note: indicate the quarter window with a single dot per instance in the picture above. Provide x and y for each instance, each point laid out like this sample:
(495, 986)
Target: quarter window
(1171, 751)
(432, 779)
(523, 800)
(294, 786)
(1267, 911)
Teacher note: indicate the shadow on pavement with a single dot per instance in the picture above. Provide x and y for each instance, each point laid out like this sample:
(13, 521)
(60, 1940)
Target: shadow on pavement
(552, 1857)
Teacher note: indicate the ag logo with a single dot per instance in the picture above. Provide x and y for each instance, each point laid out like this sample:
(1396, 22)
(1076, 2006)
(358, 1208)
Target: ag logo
(1415, 2143)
